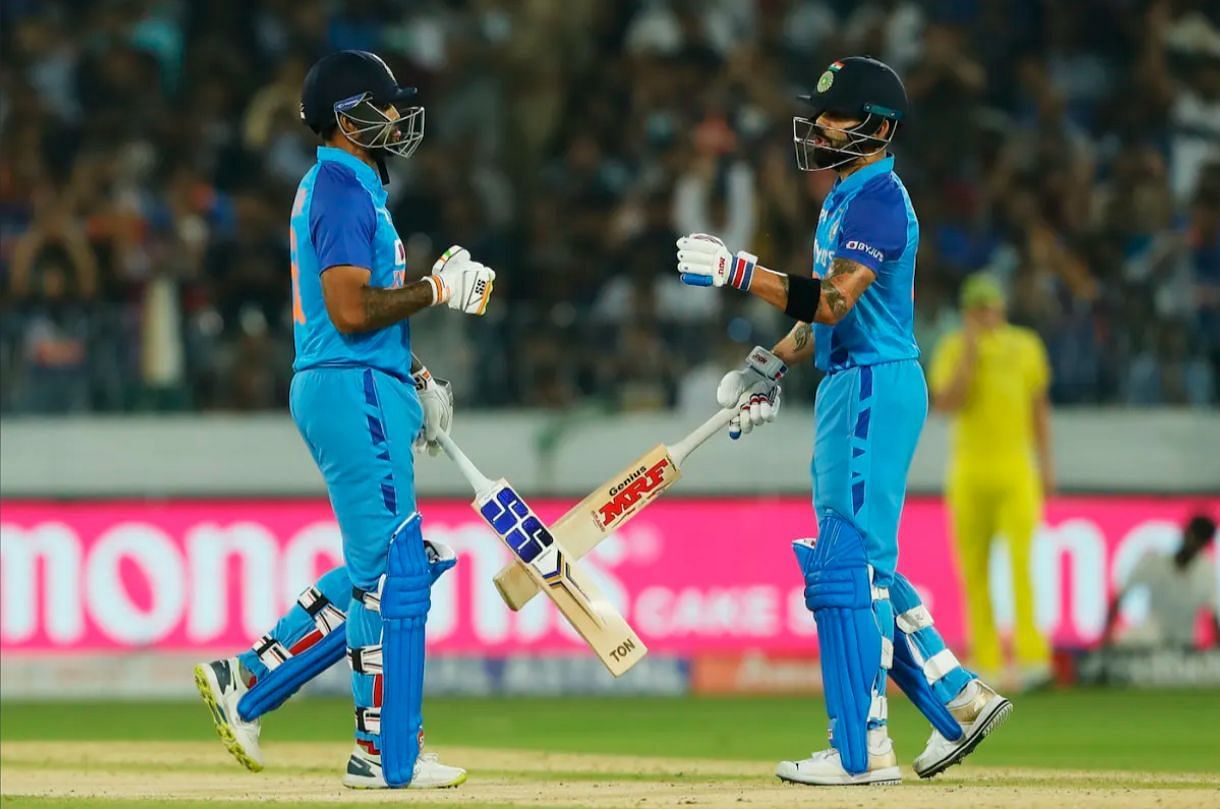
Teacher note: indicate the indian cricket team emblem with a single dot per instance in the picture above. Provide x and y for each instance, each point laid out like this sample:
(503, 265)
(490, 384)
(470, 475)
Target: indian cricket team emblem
(828, 78)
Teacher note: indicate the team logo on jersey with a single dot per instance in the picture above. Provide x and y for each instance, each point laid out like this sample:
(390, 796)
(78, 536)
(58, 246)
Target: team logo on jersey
(400, 252)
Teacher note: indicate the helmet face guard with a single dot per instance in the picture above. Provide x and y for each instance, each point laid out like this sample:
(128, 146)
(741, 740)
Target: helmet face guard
(814, 151)
(374, 129)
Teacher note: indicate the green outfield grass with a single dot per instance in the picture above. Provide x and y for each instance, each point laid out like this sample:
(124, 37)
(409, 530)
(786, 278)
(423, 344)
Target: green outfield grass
(1151, 731)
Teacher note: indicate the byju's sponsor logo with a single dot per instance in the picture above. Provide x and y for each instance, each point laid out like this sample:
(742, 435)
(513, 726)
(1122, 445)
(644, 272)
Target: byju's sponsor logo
(861, 247)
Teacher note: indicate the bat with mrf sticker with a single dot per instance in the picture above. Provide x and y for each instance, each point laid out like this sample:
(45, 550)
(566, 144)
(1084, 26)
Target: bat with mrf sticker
(549, 566)
(612, 505)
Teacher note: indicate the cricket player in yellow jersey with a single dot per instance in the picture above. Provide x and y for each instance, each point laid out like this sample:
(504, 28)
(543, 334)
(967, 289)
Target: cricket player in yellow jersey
(992, 377)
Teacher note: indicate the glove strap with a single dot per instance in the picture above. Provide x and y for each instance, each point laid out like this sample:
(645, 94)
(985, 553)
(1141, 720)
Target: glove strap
(440, 290)
(421, 378)
(765, 364)
(742, 271)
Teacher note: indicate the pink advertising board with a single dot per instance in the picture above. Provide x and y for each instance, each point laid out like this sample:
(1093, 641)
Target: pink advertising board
(692, 575)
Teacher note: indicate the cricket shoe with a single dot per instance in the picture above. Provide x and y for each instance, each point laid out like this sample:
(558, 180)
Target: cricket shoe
(221, 686)
(364, 772)
(825, 768)
(981, 711)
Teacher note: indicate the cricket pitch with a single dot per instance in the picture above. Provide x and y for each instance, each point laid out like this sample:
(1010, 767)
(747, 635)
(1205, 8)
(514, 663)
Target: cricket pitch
(184, 774)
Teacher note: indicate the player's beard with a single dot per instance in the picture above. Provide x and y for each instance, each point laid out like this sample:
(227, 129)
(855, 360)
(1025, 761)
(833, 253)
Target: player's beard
(853, 144)
(826, 158)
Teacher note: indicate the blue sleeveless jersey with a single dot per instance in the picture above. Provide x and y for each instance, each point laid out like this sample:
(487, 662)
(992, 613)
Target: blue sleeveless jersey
(339, 217)
(868, 218)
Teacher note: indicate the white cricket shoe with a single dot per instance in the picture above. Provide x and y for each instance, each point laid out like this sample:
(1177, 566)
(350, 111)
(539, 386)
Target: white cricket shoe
(824, 768)
(364, 772)
(981, 711)
(221, 686)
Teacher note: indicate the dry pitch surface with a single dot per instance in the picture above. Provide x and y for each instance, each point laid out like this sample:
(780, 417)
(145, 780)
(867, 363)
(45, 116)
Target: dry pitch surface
(1062, 749)
(146, 774)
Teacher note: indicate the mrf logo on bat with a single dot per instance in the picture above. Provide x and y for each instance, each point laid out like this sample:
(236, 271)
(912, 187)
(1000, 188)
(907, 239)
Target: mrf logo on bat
(635, 489)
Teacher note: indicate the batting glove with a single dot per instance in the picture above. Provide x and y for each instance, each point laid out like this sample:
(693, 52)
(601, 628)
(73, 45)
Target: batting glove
(441, 557)
(436, 399)
(461, 282)
(754, 389)
(704, 261)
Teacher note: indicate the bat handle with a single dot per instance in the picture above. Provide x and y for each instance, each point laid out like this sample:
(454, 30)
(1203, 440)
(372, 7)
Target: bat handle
(478, 481)
(702, 433)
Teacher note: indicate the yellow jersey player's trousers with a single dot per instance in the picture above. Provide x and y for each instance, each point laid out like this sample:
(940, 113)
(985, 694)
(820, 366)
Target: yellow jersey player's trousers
(993, 502)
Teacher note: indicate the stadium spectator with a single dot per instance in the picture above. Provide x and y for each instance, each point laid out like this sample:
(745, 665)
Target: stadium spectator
(1069, 149)
(1176, 589)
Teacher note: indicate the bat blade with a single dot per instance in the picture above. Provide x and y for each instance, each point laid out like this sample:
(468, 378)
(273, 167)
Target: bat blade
(609, 507)
(548, 565)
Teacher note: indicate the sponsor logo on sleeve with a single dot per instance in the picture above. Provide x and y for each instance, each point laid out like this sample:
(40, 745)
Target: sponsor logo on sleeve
(867, 249)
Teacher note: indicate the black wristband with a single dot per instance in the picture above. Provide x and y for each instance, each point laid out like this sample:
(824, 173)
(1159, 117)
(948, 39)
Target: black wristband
(803, 296)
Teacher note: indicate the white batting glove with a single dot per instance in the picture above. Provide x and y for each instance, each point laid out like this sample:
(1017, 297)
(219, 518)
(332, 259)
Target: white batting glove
(436, 398)
(754, 390)
(461, 282)
(704, 261)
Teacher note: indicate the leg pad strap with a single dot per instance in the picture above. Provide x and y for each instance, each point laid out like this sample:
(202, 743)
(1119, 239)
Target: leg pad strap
(320, 647)
(923, 678)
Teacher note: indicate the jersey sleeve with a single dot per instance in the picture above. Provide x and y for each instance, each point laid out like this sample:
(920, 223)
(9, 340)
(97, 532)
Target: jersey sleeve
(341, 220)
(874, 228)
(946, 357)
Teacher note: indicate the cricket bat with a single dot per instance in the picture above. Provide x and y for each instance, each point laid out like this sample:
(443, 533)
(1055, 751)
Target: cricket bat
(612, 505)
(549, 566)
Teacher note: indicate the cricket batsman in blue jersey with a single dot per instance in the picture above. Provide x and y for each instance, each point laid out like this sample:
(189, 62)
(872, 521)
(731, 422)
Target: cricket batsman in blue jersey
(362, 403)
(855, 317)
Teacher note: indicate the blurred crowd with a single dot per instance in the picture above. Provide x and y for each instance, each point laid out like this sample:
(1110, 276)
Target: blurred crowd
(151, 149)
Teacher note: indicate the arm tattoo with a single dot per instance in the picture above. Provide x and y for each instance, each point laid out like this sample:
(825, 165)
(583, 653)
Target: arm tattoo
(801, 335)
(385, 307)
(836, 301)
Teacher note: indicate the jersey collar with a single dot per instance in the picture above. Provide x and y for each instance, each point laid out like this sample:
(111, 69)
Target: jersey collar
(366, 174)
(861, 176)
